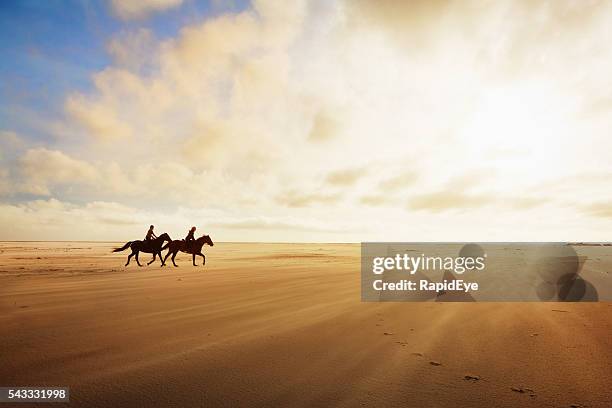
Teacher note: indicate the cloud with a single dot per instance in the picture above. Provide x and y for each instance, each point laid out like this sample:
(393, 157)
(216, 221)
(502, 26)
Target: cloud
(46, 172)
(375, 200)
(49, 219)
(526, 203)
(324, 127)
(98, 120)
(133, 49)
(112, 214)
(42, 166)
(400, 18)
(299, 199)
(9, 140)
(6, 185)
(345, 177)
(600, 210)
(11, 146)
(129, 10)
(399, 181)
(258, 224)
(448, 200)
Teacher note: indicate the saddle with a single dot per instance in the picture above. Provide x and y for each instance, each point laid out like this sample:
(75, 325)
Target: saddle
(187, 245)
(148, 244)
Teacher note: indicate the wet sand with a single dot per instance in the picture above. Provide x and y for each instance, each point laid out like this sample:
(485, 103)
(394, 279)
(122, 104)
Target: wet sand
(280, 325)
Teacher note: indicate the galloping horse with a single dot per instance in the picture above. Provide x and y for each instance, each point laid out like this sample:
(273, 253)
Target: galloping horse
(194, 248)
(152, 247)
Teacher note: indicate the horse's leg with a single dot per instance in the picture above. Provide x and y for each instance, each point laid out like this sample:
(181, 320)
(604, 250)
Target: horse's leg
(203, 258)
(129, 258)
(130, 255)
(137, 261)
(193, 257)
(163, 262)
(166, 257)
(174, 256)
(153, 260)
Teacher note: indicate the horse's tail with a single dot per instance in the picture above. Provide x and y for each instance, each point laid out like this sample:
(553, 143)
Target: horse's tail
(123, 248)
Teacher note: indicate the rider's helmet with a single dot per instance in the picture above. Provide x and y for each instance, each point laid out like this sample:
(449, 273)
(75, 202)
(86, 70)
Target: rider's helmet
(193, 228)
(151, 227)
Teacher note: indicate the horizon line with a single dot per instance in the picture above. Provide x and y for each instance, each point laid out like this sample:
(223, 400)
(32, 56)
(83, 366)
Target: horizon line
(220, 242)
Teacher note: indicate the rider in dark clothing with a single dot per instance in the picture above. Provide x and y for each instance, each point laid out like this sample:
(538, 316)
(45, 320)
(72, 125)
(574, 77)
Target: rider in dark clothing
(189, 239)
(150, 234)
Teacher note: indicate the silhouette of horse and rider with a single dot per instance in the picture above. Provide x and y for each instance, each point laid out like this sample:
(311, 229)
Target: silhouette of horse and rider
(153, 244)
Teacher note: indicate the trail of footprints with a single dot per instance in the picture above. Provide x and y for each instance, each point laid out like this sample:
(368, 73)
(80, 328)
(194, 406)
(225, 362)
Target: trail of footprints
(470, 377)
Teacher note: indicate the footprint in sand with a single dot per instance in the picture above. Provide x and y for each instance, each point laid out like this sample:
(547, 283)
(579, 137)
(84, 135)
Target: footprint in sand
(522, 390)
(435, 363)
(417, 354)
(470, 377)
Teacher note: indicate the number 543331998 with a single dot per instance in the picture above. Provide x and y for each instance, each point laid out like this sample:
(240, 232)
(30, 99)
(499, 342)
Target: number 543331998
(34, 394)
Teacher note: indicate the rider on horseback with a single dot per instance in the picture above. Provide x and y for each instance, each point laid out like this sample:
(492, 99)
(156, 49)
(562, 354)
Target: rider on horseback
(150, 234)
(189, 239)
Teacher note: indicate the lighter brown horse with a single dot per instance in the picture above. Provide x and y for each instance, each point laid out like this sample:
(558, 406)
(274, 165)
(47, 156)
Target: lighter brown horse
(194, 248)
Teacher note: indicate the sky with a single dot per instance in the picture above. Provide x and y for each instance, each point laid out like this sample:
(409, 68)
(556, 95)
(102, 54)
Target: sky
(306, 121)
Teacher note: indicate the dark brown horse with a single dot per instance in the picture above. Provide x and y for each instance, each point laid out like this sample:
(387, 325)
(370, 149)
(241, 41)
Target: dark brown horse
(152, 247)
(194, 248)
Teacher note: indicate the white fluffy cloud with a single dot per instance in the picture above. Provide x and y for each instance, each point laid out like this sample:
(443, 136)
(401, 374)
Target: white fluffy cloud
(42, 166)
(134, 9)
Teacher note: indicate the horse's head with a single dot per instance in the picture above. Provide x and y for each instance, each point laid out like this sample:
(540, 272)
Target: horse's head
(206, 239)
(164, 237)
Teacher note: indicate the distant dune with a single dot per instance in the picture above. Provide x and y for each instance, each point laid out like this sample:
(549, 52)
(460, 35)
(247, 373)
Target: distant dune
(280, 325)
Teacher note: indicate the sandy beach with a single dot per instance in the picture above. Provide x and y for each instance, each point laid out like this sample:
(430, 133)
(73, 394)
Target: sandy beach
(280, 325)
